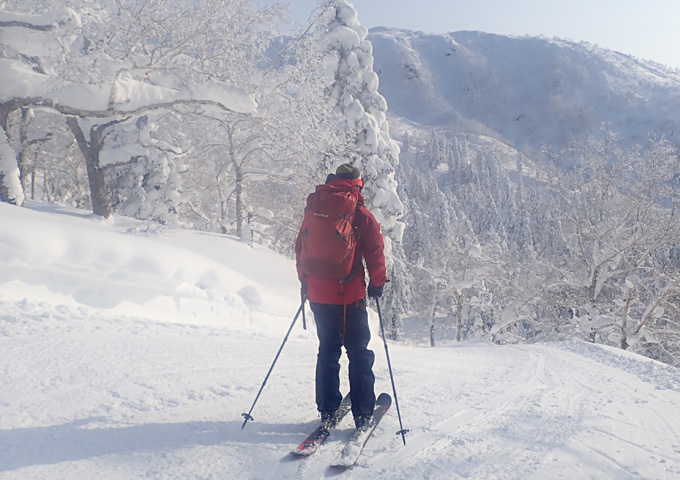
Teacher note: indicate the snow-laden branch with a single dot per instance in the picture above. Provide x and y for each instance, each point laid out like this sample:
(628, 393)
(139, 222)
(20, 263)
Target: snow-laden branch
(23, 86)
(41, 23)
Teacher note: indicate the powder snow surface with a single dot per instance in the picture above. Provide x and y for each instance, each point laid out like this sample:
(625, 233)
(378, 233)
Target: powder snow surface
(126, 354)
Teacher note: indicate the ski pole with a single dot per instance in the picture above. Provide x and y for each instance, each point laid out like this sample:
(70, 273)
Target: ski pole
(247, 416)
(402, 430)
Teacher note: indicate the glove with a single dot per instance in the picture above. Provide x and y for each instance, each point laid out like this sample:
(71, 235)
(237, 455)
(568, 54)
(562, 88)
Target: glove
(303, 290)
(375, 292)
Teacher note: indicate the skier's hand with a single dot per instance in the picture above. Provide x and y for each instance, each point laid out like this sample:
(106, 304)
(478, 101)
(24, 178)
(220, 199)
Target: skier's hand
(303, 291)
(375, 292)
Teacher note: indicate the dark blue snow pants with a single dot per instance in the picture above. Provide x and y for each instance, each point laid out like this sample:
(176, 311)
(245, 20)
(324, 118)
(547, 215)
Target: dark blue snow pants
(338, 325)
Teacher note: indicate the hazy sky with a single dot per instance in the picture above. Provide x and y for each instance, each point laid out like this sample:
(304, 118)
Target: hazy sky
(647, 29)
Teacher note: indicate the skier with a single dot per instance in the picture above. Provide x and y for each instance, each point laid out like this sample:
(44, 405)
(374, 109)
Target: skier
(339, 304)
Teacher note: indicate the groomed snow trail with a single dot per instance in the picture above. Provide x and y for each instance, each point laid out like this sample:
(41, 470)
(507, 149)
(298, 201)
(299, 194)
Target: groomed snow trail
(135, 358)
(536, 412)
(89, 397)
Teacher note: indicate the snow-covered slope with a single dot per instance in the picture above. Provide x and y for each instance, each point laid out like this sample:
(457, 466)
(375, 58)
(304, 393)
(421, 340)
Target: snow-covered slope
(532, 91)
(127, 354)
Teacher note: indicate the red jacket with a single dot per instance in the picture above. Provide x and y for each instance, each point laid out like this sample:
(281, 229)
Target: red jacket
(370, 247)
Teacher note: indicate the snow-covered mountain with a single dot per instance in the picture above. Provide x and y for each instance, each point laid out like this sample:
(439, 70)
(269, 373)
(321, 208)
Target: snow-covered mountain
(529, 91)
(130, 354)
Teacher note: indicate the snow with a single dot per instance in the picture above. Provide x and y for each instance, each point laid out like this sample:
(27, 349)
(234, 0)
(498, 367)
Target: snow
(343, 36)
(132, 94)
(530, 91)
(20, 81)
(128, 94)
(63, 16)
(129, 354)
(37, 42)
(9, 169)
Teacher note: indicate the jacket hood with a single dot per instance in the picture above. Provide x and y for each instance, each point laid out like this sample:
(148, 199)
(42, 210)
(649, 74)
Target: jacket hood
(334, 181)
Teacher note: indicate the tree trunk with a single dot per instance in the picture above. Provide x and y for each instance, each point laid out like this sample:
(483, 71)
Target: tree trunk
(592, 288)
(394, 327)
(432, 344)
(4, 191)
(33, 182)
(223, 208)
(434, 311)
(624, 321)
(22, 161)
(238, 189)
(95, 174)
(459, 317)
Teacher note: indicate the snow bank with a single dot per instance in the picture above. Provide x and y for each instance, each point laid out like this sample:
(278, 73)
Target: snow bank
(85, 263)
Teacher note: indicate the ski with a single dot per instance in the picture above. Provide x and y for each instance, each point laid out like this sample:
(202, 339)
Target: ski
(350, 453)
(317, 437)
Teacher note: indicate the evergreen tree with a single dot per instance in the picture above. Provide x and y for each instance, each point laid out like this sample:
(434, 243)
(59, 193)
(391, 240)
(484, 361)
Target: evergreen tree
(363, 136)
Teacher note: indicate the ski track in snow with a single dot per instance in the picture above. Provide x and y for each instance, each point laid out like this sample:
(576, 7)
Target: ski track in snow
(155, 389)
(129, 398)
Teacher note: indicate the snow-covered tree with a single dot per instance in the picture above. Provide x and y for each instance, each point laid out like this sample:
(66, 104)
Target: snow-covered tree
(618, 219)
(364, 137)
(118, 62)
(362, 131)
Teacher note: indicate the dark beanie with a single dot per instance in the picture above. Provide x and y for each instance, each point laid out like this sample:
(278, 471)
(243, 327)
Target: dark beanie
(348, 171)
